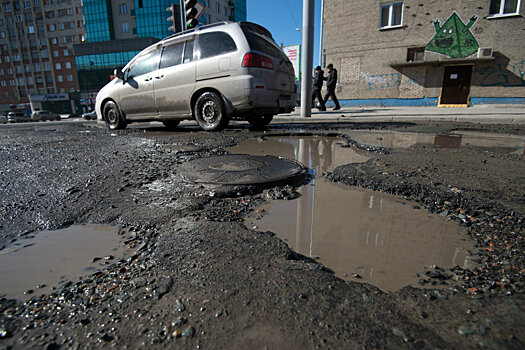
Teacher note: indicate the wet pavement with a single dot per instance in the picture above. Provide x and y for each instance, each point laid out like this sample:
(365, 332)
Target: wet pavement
(197, 277)
(38, 263)
(359, 234)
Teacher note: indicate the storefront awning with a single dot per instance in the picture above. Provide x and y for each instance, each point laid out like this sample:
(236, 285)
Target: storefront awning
(445, 62)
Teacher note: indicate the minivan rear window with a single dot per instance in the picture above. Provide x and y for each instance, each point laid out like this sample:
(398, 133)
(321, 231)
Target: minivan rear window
(258, 42)
(214, 44)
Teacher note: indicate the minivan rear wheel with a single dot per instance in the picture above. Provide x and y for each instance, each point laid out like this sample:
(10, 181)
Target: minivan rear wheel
(113, 117)
(210, 113)
(260, 121)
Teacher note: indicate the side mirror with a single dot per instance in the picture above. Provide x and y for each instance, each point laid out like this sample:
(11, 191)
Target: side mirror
(118, 73)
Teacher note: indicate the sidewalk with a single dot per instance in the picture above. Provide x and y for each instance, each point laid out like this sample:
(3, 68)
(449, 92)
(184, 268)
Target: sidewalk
(486, 114)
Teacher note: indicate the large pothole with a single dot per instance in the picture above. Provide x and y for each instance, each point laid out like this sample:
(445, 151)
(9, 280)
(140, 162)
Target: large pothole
(359, 234)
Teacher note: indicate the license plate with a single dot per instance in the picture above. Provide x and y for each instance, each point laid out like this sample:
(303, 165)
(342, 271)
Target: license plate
(285, 102)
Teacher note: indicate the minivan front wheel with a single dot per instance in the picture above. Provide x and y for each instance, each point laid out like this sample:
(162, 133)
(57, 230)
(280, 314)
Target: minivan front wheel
(113, 117)
(210, 113)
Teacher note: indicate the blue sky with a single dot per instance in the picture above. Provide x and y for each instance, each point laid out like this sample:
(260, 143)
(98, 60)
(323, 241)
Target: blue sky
(281, 17)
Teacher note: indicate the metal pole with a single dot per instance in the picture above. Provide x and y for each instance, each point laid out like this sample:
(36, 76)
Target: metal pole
(321, 38)
(308, 58)
(182, 16)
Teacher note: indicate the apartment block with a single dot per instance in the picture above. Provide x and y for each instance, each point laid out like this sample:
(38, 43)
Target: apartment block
(36, 52)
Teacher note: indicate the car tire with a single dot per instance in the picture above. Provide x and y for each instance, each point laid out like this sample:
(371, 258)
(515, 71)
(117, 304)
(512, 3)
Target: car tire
(171, 124)
(112, 116)
(260, 122)
(210, 112)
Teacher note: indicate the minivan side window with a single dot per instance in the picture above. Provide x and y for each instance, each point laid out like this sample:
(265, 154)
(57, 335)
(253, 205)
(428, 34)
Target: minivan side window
(145, 64)
(171, 55)
(215, 43)
(188, 51)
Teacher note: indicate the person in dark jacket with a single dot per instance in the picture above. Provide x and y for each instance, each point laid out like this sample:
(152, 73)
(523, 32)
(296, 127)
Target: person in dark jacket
(331, 82)
(318, 85)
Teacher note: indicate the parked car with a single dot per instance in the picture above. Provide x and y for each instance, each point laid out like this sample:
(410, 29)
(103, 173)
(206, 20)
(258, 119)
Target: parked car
(90, 116)
(17, 117)
(44, 115)
(212, 74)
(3, 119)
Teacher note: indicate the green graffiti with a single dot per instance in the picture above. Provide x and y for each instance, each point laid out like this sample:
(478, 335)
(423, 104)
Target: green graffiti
(454, 38)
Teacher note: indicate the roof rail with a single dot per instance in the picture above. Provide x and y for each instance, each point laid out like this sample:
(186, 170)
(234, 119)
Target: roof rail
(211, 25)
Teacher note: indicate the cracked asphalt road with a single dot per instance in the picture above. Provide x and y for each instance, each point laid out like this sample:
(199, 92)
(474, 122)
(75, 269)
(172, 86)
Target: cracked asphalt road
(200, 278)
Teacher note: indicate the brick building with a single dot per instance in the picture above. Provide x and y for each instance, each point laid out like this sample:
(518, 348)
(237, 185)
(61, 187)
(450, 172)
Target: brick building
(36, 55)
(417, 52)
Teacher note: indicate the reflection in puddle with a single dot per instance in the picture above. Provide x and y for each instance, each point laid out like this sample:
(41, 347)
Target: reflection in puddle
(514, 144)
(351, 230)
(52, 256)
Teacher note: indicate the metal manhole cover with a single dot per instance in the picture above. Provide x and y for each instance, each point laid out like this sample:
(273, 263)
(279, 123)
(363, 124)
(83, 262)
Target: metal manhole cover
(242, 169)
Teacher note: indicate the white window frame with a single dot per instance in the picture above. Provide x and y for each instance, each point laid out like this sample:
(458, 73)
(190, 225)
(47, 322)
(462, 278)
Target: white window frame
(391, 15)
(501, 7)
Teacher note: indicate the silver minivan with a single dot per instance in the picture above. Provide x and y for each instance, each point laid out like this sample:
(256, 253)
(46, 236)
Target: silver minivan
(212, 74)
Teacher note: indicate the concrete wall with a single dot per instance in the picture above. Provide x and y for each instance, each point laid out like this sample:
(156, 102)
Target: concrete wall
(363, 53)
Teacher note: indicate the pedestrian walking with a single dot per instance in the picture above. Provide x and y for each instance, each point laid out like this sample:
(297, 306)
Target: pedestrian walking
(318, 85)
(331, 82)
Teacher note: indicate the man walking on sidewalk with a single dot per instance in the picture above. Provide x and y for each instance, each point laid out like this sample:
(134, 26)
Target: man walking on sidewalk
(331, 82)
(318, 85)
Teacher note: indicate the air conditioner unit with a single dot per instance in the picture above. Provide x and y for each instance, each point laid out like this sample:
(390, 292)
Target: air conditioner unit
(484, 52)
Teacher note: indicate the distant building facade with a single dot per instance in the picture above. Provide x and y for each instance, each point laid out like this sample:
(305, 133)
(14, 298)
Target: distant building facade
(36, 53)
(447, 53)
(117, 30)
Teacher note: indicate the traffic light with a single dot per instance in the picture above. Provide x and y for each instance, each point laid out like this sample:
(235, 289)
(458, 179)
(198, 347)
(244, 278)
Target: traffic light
(175, 18)
(191, 12)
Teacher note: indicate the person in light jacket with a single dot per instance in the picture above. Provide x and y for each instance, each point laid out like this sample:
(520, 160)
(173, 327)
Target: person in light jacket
(331, 82)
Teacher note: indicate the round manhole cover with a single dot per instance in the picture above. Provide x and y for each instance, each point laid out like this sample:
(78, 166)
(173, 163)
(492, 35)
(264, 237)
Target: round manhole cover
(242, 169)
(233, 164)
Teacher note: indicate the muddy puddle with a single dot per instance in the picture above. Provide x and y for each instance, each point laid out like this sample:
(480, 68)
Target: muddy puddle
(361, 235)
(34, 265)
(514, 144)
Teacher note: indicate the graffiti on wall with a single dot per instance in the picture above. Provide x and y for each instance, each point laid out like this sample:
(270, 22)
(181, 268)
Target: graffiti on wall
(506, 75)
(454, 38)
(381, 81)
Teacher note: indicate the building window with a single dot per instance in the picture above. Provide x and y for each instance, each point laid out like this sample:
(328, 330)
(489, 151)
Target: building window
(62, 26)
(66, 52)
(56, 53)
(391, 15)
(31, 30)
(27, 4)
(504, 7)
(51, 27)
(68, 65)
(54, 41)
(415, 54)
(4, 83)
(60, 78)
(47, 66)
(125, 27)
(123, 9)
(218, 8)
(58, 66)
(69, 77)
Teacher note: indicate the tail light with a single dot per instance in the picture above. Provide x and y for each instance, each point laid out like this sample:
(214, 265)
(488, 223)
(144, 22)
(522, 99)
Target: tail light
(256, 60)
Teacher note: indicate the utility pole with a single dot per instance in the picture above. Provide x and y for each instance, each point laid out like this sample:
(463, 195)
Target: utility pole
(321, 35)
(308, 58)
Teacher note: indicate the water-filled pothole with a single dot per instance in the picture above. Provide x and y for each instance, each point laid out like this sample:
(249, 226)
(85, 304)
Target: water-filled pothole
(501, 143)
(36, 264)
(378, 238)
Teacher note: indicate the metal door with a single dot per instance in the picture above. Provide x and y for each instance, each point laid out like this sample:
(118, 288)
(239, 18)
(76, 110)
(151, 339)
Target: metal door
(456, 85)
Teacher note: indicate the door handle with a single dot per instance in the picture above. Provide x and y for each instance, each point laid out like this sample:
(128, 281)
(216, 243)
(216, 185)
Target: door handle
(159, 77)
